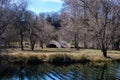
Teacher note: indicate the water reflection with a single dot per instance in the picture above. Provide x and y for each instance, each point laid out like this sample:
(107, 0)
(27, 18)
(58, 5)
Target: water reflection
(62, 72)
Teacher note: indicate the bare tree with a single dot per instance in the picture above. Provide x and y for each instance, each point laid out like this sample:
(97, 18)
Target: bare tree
(116, 23)
(5, 15)
(45, 30)
(98, 17)
(101, 19)
(75, 16)
(20, 20)
(32, 29)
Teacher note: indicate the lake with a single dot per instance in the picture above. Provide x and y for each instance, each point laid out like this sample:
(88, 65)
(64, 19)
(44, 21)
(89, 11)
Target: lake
(89, 71)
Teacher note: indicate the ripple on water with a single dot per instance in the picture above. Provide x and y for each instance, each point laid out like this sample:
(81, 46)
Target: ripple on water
(89, 71)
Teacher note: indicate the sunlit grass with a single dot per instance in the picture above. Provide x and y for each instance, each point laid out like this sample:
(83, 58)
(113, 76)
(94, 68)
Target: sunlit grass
(54, 55)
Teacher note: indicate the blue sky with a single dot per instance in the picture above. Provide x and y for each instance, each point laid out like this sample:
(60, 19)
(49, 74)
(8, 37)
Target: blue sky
(39, 6)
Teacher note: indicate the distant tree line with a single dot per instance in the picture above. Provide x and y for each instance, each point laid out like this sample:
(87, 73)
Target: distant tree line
(84, 23)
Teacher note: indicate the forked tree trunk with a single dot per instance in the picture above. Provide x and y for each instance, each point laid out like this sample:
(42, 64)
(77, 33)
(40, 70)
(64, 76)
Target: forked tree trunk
(32, 42)
(32, 45)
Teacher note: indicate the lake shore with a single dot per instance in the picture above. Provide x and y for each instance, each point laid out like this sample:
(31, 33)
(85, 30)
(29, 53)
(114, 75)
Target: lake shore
(57, 56)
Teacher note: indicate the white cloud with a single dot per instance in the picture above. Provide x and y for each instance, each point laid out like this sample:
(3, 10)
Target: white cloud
(58, 1)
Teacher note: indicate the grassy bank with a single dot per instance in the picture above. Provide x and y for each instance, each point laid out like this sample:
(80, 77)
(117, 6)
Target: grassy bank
(57, 56)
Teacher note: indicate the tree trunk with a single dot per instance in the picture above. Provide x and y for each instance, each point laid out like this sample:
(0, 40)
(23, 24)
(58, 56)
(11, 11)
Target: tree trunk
(32, 42)
(32, 47)
(104, 51)
(85, 45)
(21, 40)
(76, 44)
(116, 45)
(0, 50)
(41, 45)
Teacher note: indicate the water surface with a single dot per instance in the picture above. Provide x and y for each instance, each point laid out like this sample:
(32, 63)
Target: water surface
(89, 71)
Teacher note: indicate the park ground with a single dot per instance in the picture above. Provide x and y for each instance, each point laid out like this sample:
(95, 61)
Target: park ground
(55, 55)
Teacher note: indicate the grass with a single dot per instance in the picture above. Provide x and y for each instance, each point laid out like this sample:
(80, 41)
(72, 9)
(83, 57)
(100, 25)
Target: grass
(56, 56)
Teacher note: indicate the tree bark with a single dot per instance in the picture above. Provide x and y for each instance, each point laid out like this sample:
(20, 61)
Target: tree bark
(116, 45)
(32, 42)
(0, 50)
(21, 40)
(85, 45)
(32, 47)
(76, 44)
(41, 45)
(104, 51)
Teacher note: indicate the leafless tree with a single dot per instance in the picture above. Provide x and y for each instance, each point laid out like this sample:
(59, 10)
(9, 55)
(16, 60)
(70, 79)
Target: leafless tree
(96, 18)
(20, 22)
(32, 29)
(116, 23)
(45, 30)
(102, 15)
(5, 15)
(75, 18)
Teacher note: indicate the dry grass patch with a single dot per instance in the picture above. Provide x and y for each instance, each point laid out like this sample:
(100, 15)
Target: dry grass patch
(58, 56)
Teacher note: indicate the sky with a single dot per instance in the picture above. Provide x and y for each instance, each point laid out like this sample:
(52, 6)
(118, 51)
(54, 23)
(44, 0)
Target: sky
(40, 6)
